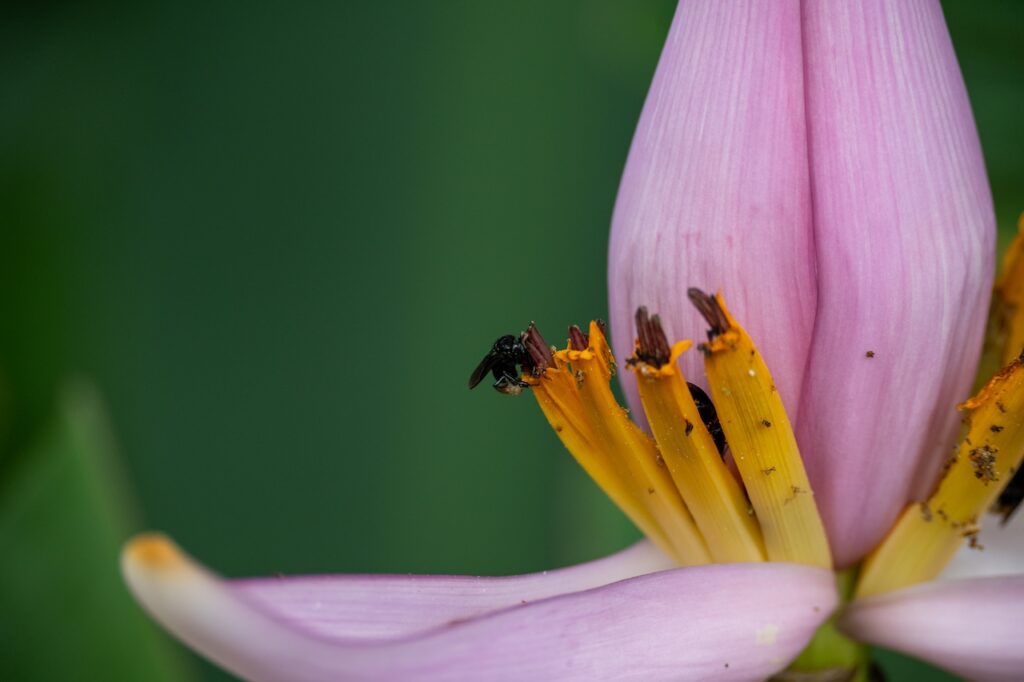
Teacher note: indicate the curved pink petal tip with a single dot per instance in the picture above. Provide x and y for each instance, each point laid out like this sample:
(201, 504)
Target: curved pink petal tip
(970, 627)
(390, 606)
(724, 622)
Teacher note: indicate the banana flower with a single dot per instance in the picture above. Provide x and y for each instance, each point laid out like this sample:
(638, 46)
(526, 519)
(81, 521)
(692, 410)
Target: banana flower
(816, 164)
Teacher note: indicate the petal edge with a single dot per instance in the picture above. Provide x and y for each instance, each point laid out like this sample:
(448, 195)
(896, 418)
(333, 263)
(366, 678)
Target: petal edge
(969, 627)
(692, 624)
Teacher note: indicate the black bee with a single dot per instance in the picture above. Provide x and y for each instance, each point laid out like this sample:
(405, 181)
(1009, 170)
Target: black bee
(708, 415)
(503, 361)
(1011, 497)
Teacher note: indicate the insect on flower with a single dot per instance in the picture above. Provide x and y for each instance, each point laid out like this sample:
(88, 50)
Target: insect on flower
(510, 352)
(503, 361)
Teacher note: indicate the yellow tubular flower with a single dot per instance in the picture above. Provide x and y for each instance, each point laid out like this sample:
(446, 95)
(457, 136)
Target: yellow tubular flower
(676, 488)
(761, 438)
(596, 430)
(591, 362)
(712, 494)
(559, 400)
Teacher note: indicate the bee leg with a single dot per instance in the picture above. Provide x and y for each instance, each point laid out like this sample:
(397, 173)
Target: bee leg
(509, 384)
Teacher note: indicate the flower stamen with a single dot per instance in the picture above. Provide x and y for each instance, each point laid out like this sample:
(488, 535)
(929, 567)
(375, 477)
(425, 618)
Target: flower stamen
(709, 489)
(761, 439)
(677, 487)
(610, 424)
(557, 390)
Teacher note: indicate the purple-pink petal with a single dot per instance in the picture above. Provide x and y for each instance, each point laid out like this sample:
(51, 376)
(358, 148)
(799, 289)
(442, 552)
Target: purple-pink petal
(970, 627)
(904, 240)
(391, 606)
(716, 194)
(818, 163)
(720, 622)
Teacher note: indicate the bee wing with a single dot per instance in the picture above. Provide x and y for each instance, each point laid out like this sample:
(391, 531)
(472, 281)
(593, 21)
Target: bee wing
(481, 370)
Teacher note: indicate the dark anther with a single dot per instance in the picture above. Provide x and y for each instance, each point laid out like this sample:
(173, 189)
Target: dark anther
(537, 350)
(708, 307)
(577, 339)
(652, 344)
(602, 326)
(653, 349)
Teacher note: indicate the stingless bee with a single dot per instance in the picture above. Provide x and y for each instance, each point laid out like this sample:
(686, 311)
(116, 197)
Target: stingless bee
(503, 361)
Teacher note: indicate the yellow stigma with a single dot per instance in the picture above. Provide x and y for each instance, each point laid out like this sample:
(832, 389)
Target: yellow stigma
(676, 487)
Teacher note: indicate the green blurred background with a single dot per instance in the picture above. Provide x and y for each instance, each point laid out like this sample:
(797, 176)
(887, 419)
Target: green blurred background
(249, 255)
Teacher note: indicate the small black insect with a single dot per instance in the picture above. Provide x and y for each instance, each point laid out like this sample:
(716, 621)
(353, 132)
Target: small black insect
(1011, 497)
(708, 415)
(503, 361)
